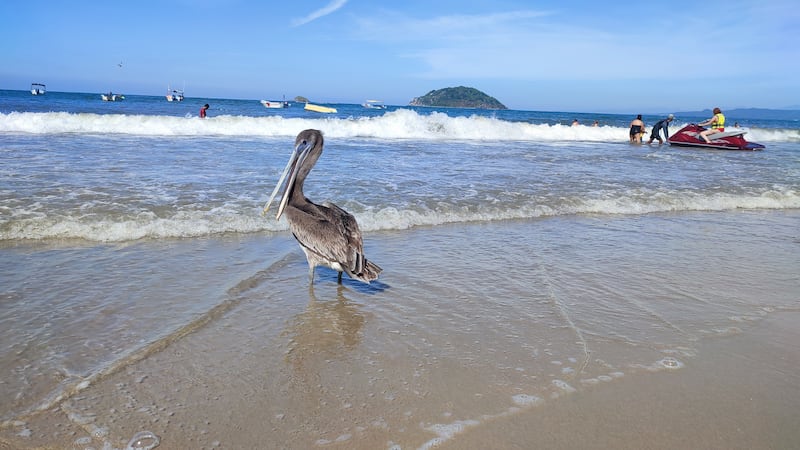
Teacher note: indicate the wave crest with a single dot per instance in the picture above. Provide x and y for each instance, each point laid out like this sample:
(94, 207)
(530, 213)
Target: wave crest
(200, 223)
(398, 124)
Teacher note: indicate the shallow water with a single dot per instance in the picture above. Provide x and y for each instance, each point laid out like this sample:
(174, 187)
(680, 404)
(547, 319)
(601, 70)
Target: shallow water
(121, 188)
(473, 323)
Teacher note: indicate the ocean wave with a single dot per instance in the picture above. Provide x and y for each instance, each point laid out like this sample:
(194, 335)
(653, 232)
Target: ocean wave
(772, 135)
(186, 224)
(398, 124)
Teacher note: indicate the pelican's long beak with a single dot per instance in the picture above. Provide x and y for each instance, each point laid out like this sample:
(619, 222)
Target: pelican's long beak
(280, 181)
(299, 155)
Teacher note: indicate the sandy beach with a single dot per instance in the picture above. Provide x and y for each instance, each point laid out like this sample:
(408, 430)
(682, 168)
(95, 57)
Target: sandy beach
(740, 392)
(607, 332)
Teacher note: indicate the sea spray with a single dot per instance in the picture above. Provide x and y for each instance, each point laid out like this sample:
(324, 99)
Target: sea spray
(397, 124)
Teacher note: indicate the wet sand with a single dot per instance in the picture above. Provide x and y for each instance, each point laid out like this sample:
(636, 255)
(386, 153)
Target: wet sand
(741, 392)
(622, 332)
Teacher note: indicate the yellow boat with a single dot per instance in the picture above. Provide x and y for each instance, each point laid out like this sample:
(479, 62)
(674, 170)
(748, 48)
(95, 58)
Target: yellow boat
(318, 108)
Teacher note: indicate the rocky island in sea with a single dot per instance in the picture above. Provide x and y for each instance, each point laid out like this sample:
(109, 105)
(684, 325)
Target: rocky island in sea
(458, 97)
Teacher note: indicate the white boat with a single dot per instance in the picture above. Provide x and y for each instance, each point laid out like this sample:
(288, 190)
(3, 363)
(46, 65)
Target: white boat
(374, 104)
(318, 108)
(38, 89)
(174, 95)
(274, 104)
(112, 97)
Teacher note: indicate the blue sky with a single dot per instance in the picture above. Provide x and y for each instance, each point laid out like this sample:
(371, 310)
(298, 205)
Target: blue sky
(584, 56)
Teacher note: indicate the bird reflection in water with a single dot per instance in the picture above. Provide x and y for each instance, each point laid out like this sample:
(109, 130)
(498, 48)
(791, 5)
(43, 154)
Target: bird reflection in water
(327, 329)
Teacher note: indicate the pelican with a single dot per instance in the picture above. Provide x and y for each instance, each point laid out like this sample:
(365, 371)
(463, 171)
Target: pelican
(328, 235)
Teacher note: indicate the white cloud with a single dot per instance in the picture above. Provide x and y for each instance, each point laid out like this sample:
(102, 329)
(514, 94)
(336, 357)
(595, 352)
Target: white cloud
(330, 8)
(456, 27)
(553, 45)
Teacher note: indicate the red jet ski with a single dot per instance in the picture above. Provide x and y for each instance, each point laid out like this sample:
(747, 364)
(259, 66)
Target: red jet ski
(689, 136)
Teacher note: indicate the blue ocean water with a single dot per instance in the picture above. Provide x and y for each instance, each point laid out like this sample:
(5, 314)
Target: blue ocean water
(74, 166)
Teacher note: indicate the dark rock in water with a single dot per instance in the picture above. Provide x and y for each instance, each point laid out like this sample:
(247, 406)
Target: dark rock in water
(458, 97)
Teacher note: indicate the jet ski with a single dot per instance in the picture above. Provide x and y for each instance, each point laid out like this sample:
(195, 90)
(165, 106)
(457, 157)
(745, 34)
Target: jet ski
(689, 136)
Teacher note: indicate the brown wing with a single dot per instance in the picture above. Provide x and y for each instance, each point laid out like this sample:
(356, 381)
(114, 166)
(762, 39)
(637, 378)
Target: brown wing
(329, 232)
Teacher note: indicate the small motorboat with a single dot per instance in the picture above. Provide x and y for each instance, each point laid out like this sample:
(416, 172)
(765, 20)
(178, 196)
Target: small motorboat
(374, 104)
(319, 108)
(38, 89)
(275, 104)
(732, 139)
(175, 95)
(112, 97)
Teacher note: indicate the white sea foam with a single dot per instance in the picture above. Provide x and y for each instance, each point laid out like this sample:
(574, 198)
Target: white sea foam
(526, 400)
(110, 230)
(445, 432)
(773, 135)
(111, 178)
(398, 124)
(74, 223)
(563, 386)
(668, 363)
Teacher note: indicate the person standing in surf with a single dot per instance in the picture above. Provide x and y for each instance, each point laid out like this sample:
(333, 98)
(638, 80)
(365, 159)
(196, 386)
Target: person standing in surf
(203, 111)
(662, 124)
(637, 129)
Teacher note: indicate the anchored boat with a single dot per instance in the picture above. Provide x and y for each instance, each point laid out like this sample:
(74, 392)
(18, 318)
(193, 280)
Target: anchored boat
(112, 97)
(374, 104)
(38, 89)
(318, 108)
(274, 104)
(174, 95)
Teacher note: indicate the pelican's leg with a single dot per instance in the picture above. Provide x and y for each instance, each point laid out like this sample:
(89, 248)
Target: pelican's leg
(311, 274)
(339, 280)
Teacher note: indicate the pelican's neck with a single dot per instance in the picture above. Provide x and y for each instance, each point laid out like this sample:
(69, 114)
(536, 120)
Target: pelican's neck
(296, 197)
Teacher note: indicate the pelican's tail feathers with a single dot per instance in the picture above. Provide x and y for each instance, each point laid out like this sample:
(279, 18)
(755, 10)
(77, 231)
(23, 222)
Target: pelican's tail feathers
(372, 270)
(369, 272)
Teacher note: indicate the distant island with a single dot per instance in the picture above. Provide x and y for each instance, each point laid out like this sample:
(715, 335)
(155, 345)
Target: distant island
(301, 99)
(747, 113)
(458, 97)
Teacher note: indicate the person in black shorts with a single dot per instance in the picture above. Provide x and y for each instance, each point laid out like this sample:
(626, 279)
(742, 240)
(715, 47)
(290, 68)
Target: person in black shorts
(662, 124)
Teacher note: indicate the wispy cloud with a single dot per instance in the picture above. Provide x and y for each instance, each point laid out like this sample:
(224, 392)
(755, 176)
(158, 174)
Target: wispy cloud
(330, 8)
(555, 45)
(458, 27)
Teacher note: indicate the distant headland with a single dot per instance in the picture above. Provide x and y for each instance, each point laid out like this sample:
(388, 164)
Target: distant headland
(458, 97)
(747, 113)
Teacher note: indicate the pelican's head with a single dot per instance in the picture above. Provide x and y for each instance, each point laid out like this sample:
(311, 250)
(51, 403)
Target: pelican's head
(307, 149)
